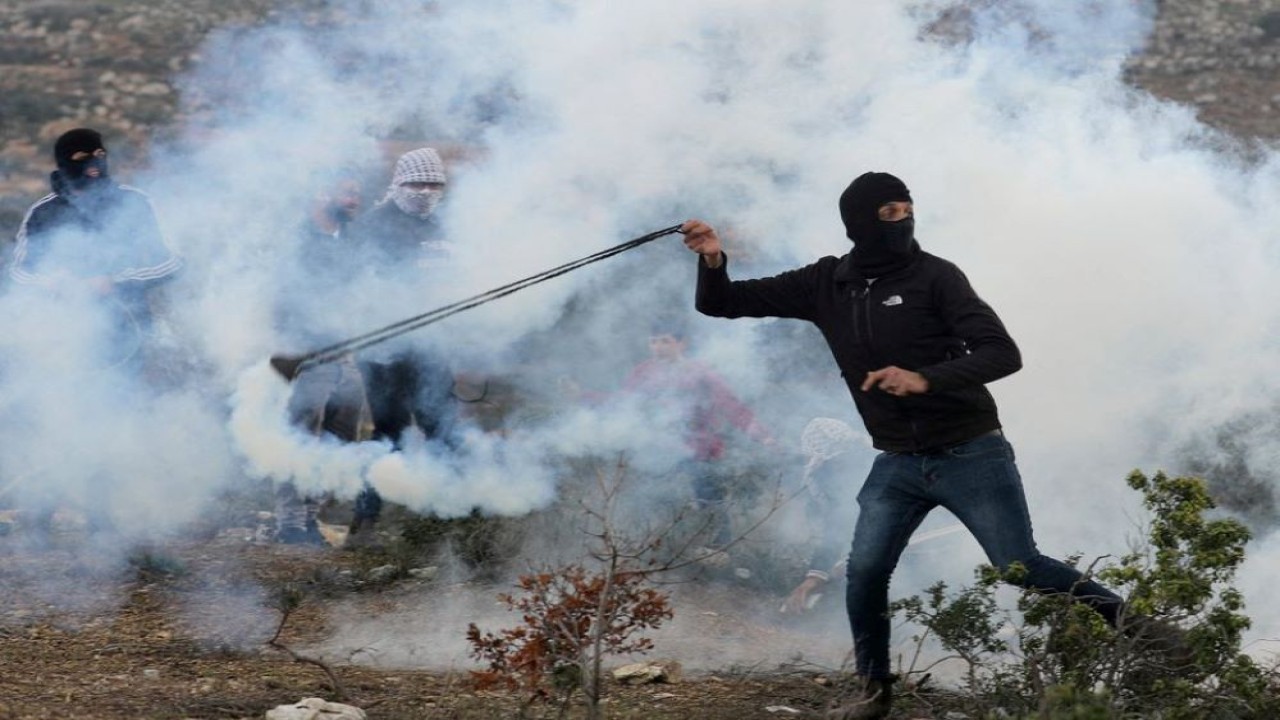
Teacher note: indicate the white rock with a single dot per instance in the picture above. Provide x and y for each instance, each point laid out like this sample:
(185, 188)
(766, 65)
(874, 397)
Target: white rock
(316, 709)
(425, 573)
(155, 89)
(658, 671)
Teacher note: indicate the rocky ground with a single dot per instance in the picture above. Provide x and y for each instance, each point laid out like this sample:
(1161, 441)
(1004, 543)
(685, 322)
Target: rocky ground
(109, 64)
(184, 631)
(1222, 57)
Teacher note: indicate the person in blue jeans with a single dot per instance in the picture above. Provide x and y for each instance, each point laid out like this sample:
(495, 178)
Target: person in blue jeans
(916, 347)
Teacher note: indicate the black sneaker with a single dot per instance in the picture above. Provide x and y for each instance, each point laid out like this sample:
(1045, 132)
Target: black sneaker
(872, 701)
(1162, 639)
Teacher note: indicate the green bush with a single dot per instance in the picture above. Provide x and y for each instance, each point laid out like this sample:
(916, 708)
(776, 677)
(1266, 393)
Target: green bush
(1175, 655)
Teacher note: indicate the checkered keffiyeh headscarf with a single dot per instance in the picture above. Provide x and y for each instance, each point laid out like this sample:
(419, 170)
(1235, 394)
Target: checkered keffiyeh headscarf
(421, 165)
(824, 438)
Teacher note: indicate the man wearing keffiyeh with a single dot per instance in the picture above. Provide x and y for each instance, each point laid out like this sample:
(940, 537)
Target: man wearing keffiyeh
(403, 225)
(831, 451)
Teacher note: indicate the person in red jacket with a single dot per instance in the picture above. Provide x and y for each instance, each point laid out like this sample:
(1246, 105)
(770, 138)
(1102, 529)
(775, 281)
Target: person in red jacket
(702, 407)
(710, 404)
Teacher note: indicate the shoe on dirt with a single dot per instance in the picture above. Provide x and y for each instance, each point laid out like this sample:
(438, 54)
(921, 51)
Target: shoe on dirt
(872, 701)
(1161, 638)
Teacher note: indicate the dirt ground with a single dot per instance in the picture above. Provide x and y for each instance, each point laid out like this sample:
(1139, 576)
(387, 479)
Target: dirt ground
(181, 629)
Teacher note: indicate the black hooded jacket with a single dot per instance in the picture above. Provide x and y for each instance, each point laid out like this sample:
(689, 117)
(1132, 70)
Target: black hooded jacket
(110, 232)
(924, 317)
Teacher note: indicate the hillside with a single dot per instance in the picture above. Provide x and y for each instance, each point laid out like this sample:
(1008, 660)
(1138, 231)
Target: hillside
(116, 65)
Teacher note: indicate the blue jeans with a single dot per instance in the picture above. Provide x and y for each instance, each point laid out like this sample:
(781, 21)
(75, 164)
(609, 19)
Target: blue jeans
(979, 483)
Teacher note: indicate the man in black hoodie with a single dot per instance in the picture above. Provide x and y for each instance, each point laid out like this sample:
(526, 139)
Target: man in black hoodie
(916, 345)
(96, 237)
(97, 240)
(91, 230)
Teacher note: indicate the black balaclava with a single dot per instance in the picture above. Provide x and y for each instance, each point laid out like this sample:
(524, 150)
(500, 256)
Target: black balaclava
(73, 171)
(879, 247)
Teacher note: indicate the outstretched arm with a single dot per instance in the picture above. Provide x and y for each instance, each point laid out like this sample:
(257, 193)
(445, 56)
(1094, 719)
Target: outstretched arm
(788, 295)
(702, 239)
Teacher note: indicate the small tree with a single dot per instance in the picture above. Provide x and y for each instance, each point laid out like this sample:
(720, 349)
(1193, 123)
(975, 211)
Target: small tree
(573, 617)
(967, 624)
(1176, 653)
(287, 599)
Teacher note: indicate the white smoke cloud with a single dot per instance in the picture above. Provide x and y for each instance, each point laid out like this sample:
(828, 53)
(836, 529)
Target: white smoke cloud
(1129, 253)
(503, 477)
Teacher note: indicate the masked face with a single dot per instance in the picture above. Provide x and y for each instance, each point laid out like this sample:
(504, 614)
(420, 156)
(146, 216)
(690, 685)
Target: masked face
(84, 169)
(897, 236)
(884, 238)
(418, 199)
(81, 158)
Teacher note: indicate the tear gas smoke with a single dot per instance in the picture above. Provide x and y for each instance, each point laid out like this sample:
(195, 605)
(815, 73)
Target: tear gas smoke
(1130, 256)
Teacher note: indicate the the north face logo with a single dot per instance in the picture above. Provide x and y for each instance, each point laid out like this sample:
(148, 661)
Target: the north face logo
(892, 300)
